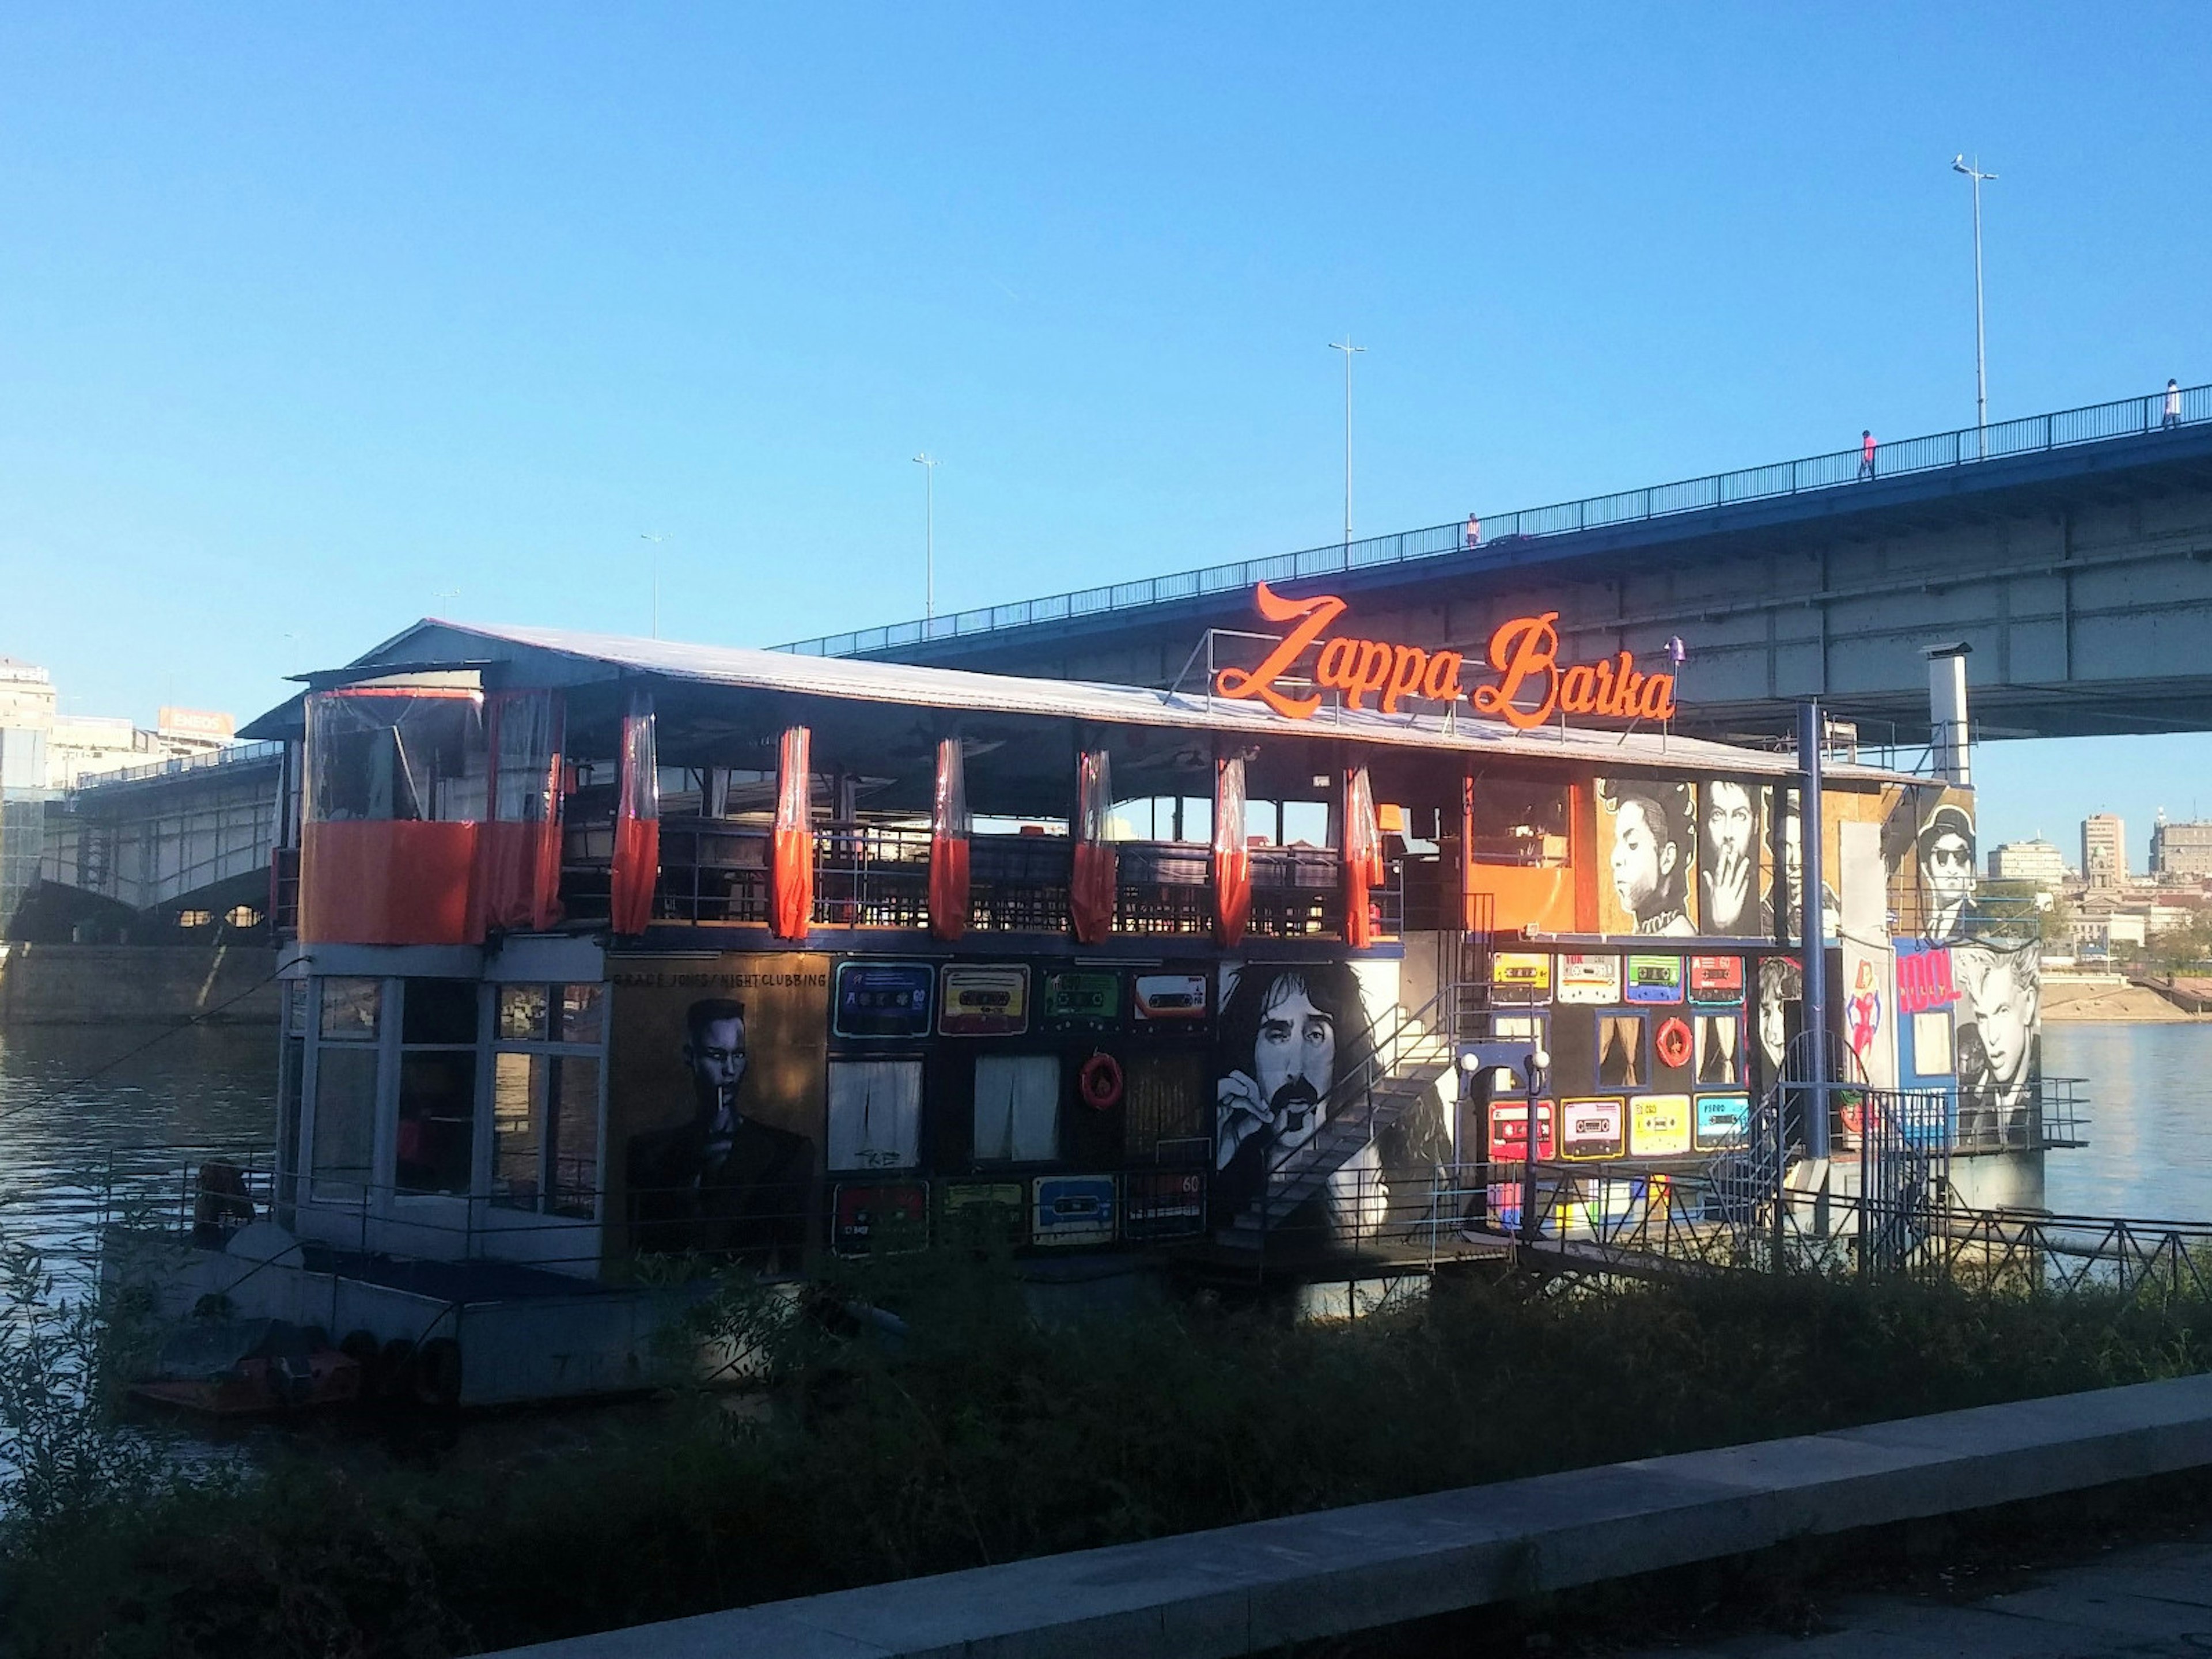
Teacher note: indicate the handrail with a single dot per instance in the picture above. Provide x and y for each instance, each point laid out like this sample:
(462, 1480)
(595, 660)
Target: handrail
(1837, 470)
(236, 754)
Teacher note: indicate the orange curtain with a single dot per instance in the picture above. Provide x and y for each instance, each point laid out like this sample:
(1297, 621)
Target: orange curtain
(1362, 858)
(1097, 868)
(791, 870)
(1232, 855)
(948, 844)
(518, 874)
(636, 869)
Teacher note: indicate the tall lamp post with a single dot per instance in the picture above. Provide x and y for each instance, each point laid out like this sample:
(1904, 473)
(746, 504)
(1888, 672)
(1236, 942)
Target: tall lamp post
(928, 537)
(1349, 350)
(1973, 170)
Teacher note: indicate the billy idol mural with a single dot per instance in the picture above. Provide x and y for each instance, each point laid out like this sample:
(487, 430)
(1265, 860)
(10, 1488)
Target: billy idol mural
(715, 1102)
(1293, 1063)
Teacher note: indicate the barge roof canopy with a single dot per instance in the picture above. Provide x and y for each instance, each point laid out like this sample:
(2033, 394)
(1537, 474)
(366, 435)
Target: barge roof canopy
(518, 656)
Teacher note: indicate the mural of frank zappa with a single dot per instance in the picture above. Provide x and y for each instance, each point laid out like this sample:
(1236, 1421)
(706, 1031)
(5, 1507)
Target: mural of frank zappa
(1946, 850)
(1997, 1053)
(720, 1182)
(1731, 902)
(1288, 1035)
(1652, 847)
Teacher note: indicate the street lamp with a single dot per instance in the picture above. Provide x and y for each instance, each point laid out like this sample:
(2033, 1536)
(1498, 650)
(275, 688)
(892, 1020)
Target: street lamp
(1349, 350)
(656, 541)
(929, 539)
(1973, 171)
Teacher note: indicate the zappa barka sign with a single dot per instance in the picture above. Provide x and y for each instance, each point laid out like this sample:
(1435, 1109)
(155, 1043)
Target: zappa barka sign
(1526, 685)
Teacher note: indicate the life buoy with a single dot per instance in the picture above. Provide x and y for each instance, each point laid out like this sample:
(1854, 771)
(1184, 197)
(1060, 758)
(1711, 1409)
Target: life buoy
(1101, 1082)
(1672, 1043)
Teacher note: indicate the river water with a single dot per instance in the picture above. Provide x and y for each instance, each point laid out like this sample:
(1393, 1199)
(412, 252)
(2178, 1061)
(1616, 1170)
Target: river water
(93, 1118)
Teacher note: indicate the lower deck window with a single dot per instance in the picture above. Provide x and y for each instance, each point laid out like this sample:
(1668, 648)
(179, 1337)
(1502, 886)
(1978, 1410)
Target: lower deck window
(545, 1099)
(875, 1114)
(1017, 1109)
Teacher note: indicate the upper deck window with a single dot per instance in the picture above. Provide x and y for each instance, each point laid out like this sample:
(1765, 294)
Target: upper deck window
(1523, 824)
(385, 756)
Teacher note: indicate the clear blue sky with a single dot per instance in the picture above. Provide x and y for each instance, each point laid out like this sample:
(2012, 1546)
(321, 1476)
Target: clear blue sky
(315, 320)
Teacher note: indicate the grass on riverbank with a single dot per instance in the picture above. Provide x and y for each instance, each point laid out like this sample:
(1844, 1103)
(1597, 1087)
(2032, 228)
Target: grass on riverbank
(982, 1438)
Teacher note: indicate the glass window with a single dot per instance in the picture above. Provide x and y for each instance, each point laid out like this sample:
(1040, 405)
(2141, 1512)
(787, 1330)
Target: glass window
(351, 1008)
(518, 1086)
(545, 1099)
(875, 1114)
(572, 1158)
(522, 1010)
(439, 1011)
(383, 756)
(436, 1143)
(1017, 1108)
(583, 1010)
(345, 1120)
(1520, 823)
(1305, 824)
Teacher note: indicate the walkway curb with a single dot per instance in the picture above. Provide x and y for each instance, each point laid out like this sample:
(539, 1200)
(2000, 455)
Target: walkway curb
(1249, 1588)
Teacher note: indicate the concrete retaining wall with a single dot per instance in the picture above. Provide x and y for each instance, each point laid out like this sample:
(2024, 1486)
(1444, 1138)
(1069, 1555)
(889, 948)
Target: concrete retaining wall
(136, 984)
(1253, 1588)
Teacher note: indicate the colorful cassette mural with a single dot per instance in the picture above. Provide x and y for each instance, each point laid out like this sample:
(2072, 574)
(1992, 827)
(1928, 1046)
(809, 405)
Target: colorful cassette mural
(716, 1104)
(1648, 847)
(1301, 1144)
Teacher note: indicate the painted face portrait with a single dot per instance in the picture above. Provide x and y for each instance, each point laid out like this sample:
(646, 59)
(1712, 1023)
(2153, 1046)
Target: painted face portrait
(716, 1056)
(1294, 1059)
(1637, 855)
(2004, 999)
(1649, 859)
(1947, 870)
(1728, 863)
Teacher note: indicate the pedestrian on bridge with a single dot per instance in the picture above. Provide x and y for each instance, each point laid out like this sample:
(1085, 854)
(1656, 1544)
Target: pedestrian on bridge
(2172, 405)
(1866, 455)
(1473, 530)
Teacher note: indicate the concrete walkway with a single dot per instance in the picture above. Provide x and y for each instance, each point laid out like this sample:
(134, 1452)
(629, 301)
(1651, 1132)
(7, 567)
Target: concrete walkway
(2145, 1603)
(1250, 1589)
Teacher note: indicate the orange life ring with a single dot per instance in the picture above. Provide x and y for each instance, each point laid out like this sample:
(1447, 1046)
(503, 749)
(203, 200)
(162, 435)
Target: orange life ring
(1672, 1041)
(1101, 1082)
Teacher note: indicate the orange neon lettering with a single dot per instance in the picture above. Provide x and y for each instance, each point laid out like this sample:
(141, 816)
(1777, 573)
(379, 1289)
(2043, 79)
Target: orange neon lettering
(1312, 616)
(1407, 664)
(1578, 690)
(1373, 672)
(1334, 668)
(1523, 653)
(1442, 681)
(1524, 650)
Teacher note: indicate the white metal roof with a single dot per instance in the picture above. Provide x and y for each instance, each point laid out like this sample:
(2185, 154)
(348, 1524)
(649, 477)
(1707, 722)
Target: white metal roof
(850, 680)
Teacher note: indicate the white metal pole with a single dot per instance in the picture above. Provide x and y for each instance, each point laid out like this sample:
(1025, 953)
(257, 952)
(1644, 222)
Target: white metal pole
(1975, 175)
(929, 538)
(1349, 350)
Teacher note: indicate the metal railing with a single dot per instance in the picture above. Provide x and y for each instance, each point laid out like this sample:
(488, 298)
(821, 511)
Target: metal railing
(871, 875)
(236, 754)
(1506, 533)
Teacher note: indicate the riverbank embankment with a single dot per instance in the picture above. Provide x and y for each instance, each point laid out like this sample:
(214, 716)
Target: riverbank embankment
(2111, 997)
(137, 984)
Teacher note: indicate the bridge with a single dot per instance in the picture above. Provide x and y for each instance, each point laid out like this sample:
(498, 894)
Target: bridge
(2071, 552)
(177, 849)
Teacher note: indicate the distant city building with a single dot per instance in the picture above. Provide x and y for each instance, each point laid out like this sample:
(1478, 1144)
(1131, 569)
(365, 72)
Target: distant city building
(2104, 850)
(2034, 861)
(2180, 852)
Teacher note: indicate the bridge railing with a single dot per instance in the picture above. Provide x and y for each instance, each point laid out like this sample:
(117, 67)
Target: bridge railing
(236, 754)
(1501, 535)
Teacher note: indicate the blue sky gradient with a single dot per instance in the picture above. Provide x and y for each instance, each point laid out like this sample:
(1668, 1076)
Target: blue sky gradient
(314, 322)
